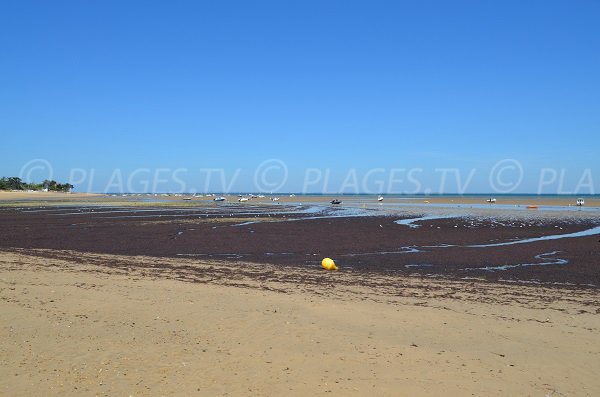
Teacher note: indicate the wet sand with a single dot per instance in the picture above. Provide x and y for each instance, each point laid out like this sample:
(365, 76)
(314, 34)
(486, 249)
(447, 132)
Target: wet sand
(98, 324)
(508, 200)
(300, 236)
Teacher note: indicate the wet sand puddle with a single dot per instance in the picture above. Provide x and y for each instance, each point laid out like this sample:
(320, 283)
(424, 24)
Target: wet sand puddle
(544, 259)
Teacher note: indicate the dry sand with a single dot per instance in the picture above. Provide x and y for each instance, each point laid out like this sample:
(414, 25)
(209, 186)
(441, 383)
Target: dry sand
(90, 324)
(45, 196)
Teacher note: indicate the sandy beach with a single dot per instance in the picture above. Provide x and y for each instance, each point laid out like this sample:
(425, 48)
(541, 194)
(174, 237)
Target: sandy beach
(44, 196)
(148, 299)
(91, 324)
(300, 199)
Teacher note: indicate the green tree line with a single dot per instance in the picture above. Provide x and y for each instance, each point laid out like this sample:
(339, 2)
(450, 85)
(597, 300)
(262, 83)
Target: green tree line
(15, 183)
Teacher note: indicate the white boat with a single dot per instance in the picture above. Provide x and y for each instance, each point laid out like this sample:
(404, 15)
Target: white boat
(275, 199)
(491, 200)
(243, 199)
(580, 202)
(220, 198)
(380, 198)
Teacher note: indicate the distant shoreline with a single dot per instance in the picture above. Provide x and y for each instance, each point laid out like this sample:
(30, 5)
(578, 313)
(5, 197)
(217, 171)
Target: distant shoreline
(7, 195)
(369, 200)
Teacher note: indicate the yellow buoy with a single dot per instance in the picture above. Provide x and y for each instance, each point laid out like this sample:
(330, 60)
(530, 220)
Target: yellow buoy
(328, 264)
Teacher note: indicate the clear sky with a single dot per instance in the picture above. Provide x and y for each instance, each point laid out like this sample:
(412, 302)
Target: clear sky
(326, 85)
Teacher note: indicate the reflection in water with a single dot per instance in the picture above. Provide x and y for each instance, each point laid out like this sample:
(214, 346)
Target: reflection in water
(583, 233)
(543, 257)
(410, 222)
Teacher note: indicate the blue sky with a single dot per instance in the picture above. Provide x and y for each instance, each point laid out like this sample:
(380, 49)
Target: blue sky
(327, 85)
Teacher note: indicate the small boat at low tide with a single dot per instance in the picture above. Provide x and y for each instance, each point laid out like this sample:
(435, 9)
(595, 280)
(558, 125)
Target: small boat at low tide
(220, 198)
(380, 199)
(243, 199)
(532, 207)
(580, 202)
(491, 200)
(335, 201)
